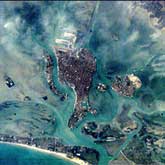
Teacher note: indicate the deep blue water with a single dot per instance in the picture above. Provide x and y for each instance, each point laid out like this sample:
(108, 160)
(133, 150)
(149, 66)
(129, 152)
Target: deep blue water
(14, 155)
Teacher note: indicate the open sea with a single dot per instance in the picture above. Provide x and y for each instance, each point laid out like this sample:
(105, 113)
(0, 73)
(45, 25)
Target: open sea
(15, 155)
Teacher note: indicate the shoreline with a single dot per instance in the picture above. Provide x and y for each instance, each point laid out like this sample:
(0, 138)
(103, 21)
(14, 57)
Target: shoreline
(57, 154)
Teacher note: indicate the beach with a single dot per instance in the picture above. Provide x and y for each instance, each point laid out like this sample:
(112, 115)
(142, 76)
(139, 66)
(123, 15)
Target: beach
(57, 154)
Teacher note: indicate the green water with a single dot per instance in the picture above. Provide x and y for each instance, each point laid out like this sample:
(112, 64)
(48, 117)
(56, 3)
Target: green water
(109, 18)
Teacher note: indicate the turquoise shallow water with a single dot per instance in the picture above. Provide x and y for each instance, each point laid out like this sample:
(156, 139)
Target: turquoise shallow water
(127, 55)
(14, 155)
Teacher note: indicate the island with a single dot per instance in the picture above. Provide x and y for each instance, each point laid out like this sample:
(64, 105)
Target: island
(126, 85)
(104, 134)
(49, 76)
(76, 154)
(101, 132)
(76, 68)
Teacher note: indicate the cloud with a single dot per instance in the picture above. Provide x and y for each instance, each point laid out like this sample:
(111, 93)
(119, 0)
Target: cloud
(132, 37)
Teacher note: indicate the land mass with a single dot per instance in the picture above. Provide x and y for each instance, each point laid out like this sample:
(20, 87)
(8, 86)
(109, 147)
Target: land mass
(76, 68)
(78, 154)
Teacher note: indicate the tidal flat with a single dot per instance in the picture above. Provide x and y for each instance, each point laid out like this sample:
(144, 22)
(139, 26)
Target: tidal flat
(122, 37)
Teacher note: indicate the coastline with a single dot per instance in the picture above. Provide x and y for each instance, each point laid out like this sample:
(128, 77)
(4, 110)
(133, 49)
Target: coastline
(57, 154)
